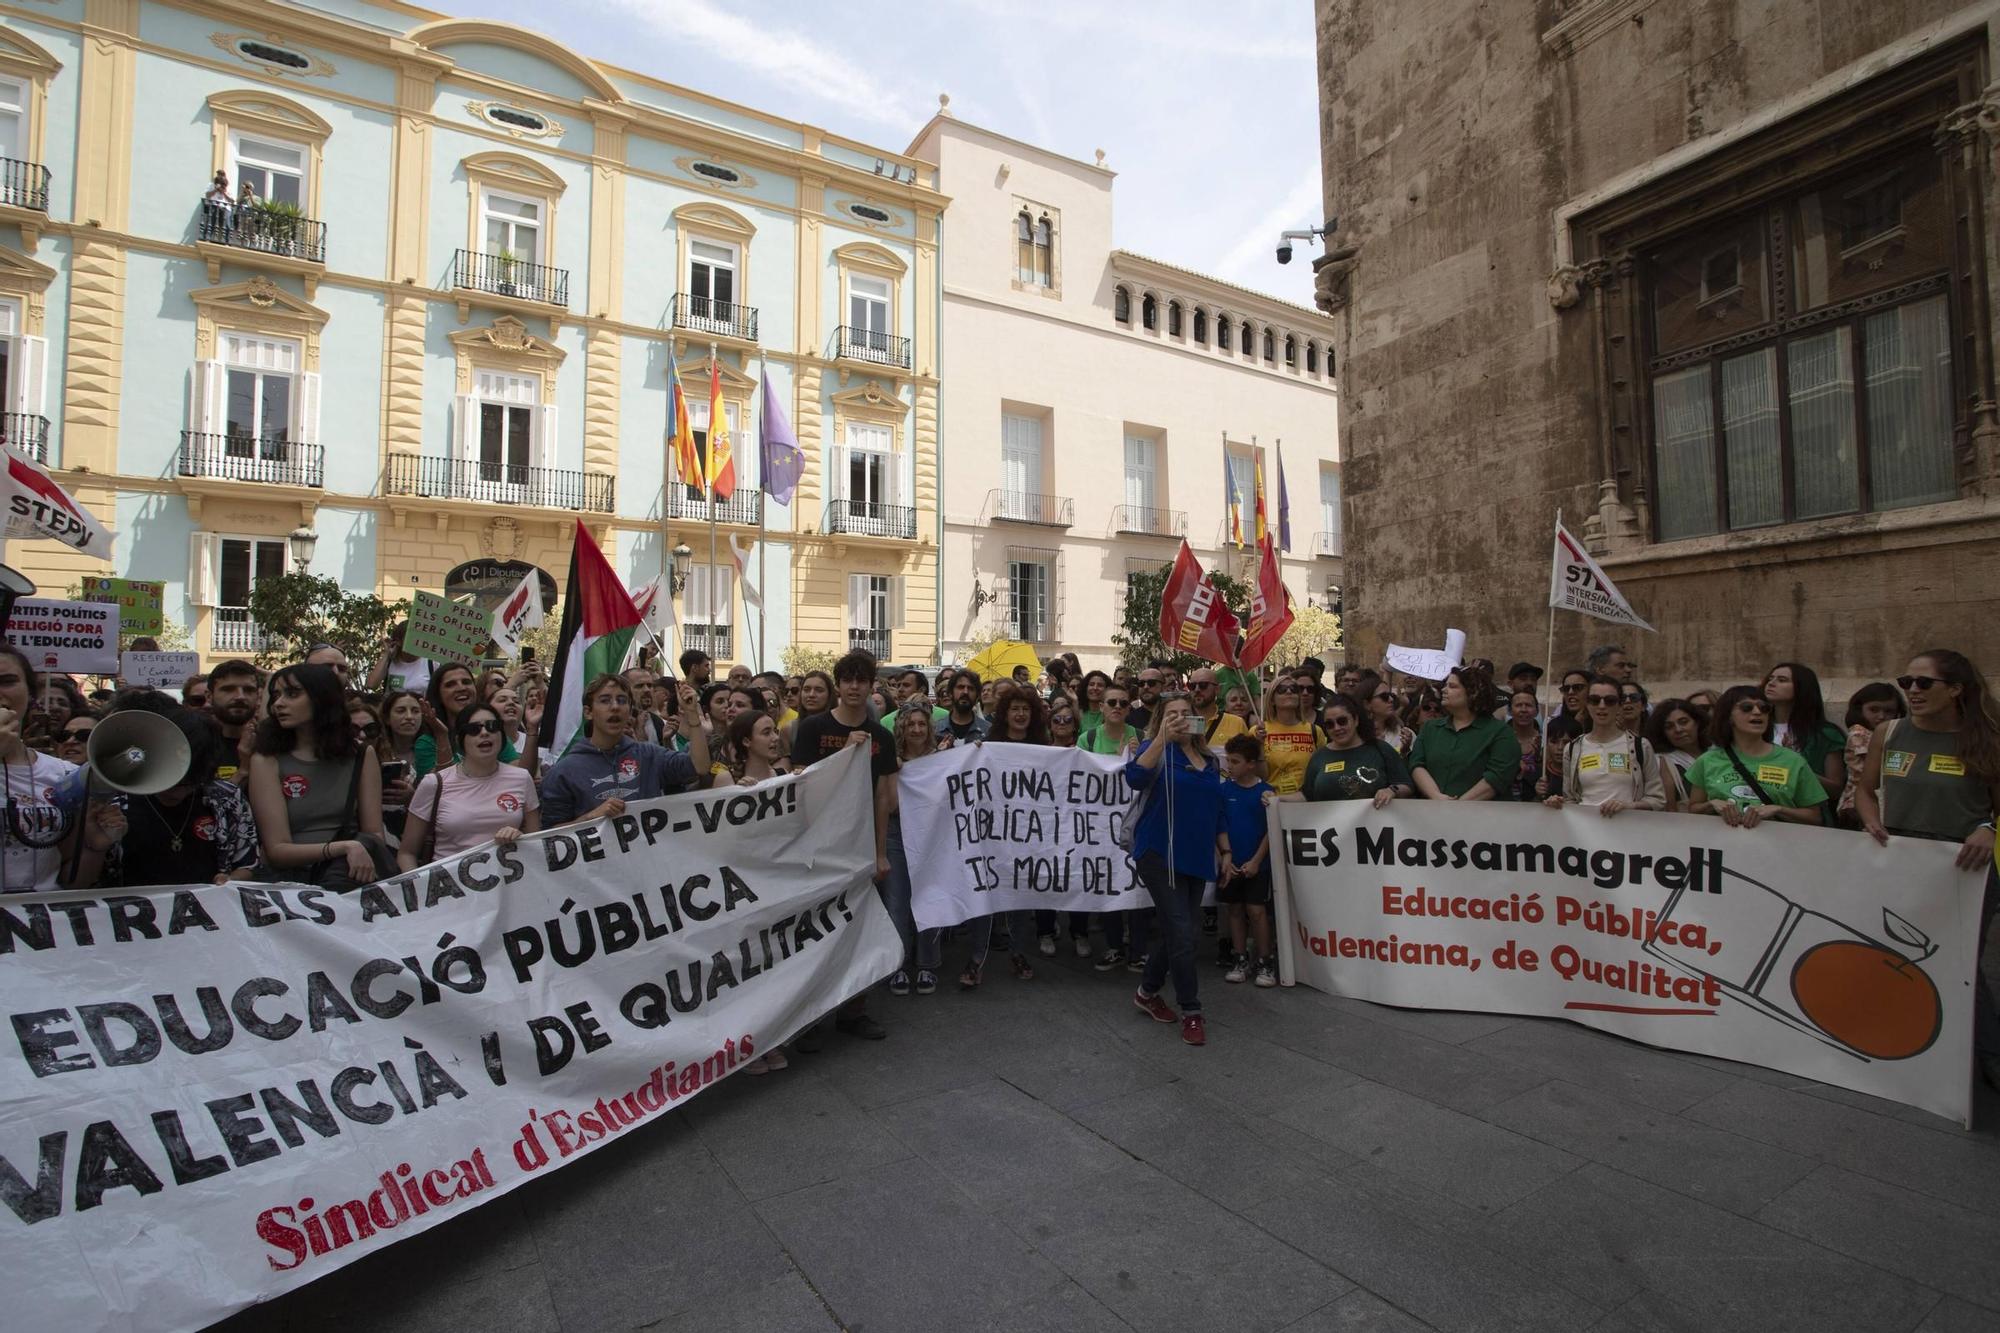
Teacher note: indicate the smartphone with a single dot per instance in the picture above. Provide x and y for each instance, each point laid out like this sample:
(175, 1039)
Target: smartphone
(395, 771)
(527, 653)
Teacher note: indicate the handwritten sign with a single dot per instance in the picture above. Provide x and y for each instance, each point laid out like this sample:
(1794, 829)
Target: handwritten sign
(1429, 663)
(66, 636)
(159, 671)
(140, 602)
(444, 631)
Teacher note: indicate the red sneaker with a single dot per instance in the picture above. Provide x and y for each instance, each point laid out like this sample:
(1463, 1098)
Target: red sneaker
(1192, 1031)
(1153, 1007)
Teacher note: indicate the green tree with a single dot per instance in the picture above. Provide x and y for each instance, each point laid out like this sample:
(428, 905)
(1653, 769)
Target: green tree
(299, 609)
(1138, 636)
(1315, 632)
(799, 658)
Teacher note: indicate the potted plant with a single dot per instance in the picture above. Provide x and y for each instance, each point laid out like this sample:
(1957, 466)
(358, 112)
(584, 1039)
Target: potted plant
(278, 224)
(506, 261)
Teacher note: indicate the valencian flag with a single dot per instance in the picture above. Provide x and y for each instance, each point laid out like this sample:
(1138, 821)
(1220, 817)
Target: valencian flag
(1270, 605)
(38, 507)
(680, 434)
(1193, 616)
(721, 449)
(598, 625)
(779, 458)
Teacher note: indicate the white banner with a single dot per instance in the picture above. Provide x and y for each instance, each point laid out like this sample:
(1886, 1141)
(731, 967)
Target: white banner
(1809, 950)
(1577, 584)
(168, 671)
(999, 827)
(220, 1093)
(66, 636)
(521, 612)
(1428, 663)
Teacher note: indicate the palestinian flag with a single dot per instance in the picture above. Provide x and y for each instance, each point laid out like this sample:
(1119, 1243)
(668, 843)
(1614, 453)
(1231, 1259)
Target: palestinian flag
(599, 622)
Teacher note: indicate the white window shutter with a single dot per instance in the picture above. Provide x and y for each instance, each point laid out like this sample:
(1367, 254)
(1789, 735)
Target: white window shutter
(308, 426)
(545, 437)
(464, 410)
(837, 485)
(896, 610)
(30, 360)
(892, 464)
(857, 600)
(210, 401)
(17, 362)
(725, 595)
(201, 568)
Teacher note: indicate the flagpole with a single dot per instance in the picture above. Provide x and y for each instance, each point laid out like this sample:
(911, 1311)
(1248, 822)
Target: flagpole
(708, 489)
(1549, 659)
(763, 500)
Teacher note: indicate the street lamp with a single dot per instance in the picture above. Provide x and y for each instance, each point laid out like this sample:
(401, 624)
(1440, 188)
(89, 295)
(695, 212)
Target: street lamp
(303, 541)
(683, 558)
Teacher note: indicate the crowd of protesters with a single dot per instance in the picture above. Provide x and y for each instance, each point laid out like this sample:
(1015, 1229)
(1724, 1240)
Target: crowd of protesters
(339, 774)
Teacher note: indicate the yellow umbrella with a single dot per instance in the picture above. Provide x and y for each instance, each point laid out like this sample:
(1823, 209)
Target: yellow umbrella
(999, 659)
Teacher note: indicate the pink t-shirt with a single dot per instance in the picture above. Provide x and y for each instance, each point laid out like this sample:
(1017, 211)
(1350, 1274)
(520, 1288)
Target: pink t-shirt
(474, 809)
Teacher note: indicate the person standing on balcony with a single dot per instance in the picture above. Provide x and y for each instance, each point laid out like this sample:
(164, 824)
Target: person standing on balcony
(215, 207)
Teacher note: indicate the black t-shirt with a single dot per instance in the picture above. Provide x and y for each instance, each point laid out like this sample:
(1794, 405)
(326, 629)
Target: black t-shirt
(822, 735)
(150, 829)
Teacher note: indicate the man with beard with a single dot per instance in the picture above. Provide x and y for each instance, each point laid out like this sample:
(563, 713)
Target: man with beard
(233, 691)
(697, 669)
(963, 722)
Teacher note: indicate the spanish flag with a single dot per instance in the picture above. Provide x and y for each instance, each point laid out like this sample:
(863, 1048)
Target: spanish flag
(680, 434)
(721, 449)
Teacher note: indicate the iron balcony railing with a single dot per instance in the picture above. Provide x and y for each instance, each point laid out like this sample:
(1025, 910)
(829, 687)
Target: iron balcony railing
(265, 230)
(24, 185)
(744, 505)
(26, 434)
(1326, 544)
(705, 314)
(875, 641)
(881, 349)
(272, 460)
(503, 276)
(865, 518)
(501, 483)
(1049, 511)
(715, 640)
(1150, 522)
(234, 632)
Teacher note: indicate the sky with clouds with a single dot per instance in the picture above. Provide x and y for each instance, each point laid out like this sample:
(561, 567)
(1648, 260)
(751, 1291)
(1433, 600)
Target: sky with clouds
(1208, 112)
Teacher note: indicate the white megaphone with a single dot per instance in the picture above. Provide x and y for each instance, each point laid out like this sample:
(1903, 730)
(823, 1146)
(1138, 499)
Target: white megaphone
(138, 753)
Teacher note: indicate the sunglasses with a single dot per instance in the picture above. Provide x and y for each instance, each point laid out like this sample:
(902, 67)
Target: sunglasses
(1340, 720)
(1286, 689)
(1385, 697)
(1572, 689)
(1752, 706)
(1633, 698)
(1908, 683)
(1117, 703)
(77, 733)
(1604, 699)
(486, 728)
(369, 730)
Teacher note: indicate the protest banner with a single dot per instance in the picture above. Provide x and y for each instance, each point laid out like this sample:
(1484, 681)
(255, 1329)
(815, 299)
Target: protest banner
(1004, 828)
(159, 671)
(215, 1094)
(141, 603)
(1428, 663)
(1812, 951)
(66, 636)
(443, 631)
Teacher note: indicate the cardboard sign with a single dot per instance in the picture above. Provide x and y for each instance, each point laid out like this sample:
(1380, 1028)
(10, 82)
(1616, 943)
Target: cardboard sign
(66, 636)
(444, 631)
(159, 671)
(140, 602)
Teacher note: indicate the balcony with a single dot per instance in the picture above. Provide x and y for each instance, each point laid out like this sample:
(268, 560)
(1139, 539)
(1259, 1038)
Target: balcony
(269, 461)
(745, 505)
(1326, 545)
(499, 483)
(24, 185)
(864, 518)
(233, 631)
(715, 640)
(875, 641)
(511, 279)
(1146, 522)
(26, 434)
(702, 314)
(266, 229)
(1047, 511)
(866, 345)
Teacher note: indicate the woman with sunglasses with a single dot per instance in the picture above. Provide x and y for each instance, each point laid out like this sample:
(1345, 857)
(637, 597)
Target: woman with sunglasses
(1799, 711)
(1745, 777)
(1677, 729)
(1114, 735)
(1064, 725)
(1379, 700)
(1290, 738)
(73, 741)
(479, 799)
(1570, 697)
(453, 689)
(1608, 766)
(1871, 706)
(1936, 774)
(1355, 764)
(1631, 708)
(1468, 754)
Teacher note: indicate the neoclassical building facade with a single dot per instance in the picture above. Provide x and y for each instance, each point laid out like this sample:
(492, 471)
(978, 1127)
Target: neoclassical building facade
(440, 329)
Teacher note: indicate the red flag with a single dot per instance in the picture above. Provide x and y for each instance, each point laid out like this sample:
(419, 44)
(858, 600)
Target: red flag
(1193, 616)
(1270, 607)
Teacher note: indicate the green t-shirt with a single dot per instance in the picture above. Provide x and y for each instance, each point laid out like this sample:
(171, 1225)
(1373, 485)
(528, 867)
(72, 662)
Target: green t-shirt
(1458, 759)
(1096, 742)
(1782, 773)
(1090, 718)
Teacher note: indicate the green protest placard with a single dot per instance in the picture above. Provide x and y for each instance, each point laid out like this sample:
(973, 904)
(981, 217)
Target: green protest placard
(444, 631)
(140, 602)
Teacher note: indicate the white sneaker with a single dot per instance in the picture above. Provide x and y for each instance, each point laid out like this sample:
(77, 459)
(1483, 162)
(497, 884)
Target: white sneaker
(1082, 943)
(1239, 971)
(1047, 944)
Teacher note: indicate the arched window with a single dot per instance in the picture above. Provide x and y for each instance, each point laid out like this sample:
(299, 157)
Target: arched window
(1270, 348)
(1121, 306)
(1312, 358)
(1201, 326)
(1173, 319)
(1024, 247)
(1149, 311)
(1246, 339)
(1329, 360)
(1222, 333)
(1291, 352)
(1045, 252)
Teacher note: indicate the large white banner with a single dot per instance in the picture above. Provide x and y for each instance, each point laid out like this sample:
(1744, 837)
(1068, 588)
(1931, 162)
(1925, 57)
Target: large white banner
(1809, 950)
(215, 1094)
(999, 827)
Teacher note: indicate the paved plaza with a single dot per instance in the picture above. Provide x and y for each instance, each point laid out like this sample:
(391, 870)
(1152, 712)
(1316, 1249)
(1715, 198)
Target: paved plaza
(1040, 1156)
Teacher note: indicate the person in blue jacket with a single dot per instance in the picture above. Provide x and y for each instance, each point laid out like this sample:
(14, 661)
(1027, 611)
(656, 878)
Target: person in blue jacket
(1175, 839)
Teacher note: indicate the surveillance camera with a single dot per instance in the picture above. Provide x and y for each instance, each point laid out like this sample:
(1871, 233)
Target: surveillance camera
(1284, 252)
